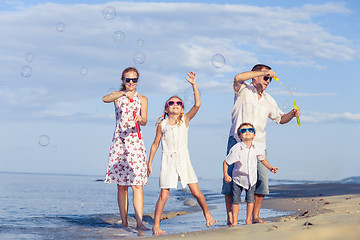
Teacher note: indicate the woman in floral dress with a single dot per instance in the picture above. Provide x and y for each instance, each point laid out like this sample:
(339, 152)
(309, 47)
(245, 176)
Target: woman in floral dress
(127, 159)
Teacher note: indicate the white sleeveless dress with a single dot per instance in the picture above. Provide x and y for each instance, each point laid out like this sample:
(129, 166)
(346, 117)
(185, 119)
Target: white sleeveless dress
(175, 161)
(127, 158)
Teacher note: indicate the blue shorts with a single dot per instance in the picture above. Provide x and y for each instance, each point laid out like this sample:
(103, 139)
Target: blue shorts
(227, 187)
(262, 185)
(237, 189)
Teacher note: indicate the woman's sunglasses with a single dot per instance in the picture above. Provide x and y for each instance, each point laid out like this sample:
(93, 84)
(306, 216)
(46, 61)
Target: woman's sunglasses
(267, 78)
(244, 130)
(134, 80)
(179, 103)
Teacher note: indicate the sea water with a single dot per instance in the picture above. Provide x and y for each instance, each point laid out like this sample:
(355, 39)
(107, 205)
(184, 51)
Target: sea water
(53, 206)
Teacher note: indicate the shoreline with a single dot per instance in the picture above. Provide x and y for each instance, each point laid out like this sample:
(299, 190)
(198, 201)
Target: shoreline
(317, 211)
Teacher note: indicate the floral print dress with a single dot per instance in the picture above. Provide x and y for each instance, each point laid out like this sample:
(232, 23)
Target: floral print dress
(127, 158)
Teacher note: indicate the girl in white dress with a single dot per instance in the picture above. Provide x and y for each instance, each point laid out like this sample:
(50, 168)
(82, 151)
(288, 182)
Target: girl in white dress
(127, 158)
(175, 162)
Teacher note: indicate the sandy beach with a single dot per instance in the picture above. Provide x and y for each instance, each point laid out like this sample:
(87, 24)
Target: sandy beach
(316, 211)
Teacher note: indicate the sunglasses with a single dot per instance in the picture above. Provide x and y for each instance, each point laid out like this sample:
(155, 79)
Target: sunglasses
(179, 103)
(244, 130)
(267, 78)
(134, 80)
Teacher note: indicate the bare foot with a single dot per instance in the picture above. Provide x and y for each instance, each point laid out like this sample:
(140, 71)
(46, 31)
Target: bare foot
(142, 227)
(248, 222)
(157, 231)
(209, 220)
(259, 220)
(234, 224)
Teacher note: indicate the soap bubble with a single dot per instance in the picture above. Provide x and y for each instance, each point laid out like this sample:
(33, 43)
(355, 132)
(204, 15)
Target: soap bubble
(218, 61)
(2, 83)
(140, 43)
(188, 96)
(109, 13)
(29, 57)
(286, 106)
(139, 57)
(44, 140)
(118, 36)
(293, 88)
(26, 71)
(60, 27)
(84, 71)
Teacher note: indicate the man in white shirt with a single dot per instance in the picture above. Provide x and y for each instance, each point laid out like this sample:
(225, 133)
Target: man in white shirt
(253, 105)
(244, 155)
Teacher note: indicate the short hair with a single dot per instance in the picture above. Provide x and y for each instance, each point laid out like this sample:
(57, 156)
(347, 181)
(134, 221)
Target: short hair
(258, 67)
(244, 124)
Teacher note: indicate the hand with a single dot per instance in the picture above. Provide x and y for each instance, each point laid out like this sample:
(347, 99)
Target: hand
(274, 169)
(227, 178)
(192, 77)
(137, 118)
(149, 170)
(270, 73)
(296, 112)
(129, 95)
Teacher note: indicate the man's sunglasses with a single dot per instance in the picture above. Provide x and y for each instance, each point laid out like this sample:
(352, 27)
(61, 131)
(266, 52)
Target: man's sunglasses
(267, 78)
(244, 130)
(179, 103)
(134, 80)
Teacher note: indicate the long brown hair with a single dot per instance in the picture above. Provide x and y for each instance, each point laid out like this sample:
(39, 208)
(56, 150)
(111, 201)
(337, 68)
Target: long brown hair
(165, 114)
(129, 69)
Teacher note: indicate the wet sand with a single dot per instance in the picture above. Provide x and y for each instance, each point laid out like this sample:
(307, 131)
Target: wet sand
(316, 211)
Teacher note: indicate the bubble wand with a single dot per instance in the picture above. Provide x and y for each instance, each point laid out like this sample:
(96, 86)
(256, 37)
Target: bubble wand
(295, 106)
(137, 123)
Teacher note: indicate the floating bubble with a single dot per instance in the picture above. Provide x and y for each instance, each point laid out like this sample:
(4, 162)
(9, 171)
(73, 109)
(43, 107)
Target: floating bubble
(44, 140)
(140, 43)
(249, 112)
(293, 89)
(84, 71)
(29, 57)
(2, 83)
(118, 36)
(60, 27)
(218, 61)
(54, 149)
(109, 13)
(26, 71)
(286, 106)
(139, 57)
(188, 96)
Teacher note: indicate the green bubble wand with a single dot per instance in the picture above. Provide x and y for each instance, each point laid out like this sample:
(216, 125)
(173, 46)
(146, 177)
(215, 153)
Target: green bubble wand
(295, 106)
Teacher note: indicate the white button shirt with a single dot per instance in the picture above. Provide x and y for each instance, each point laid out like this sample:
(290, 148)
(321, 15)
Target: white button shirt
(248, 108)
(245, 168)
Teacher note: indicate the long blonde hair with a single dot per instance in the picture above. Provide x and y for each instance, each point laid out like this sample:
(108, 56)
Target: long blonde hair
(165, 114)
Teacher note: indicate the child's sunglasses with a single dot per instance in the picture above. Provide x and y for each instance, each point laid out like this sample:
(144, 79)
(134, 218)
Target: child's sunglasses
(244, 130)
(267, 78)
(134, 80)
(179, 103)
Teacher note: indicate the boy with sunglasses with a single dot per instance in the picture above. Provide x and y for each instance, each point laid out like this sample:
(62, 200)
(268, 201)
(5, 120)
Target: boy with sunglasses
(252, 104)
(244, 156)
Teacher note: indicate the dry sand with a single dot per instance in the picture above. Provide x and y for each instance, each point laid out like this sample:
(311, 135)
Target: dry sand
(319, 211)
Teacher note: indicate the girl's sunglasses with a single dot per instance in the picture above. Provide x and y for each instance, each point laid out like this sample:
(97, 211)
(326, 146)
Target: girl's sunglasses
(244, 130)
(134, 80)
(267, 78)
(179, 103)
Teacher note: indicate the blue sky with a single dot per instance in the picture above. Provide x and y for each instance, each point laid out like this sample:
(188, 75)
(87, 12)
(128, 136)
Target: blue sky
(312, 45)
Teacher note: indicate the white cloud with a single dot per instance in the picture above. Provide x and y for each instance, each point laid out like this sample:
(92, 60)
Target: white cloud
(318, 117)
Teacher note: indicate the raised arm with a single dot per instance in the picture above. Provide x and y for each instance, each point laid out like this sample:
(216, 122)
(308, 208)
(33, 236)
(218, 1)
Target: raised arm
(192, 112)
(154, 148)
(241, 77)
(290, 115)
(113, 96)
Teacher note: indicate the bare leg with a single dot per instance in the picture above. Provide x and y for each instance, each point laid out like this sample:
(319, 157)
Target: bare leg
(249, 212)
(160, 205)
(235, 214)
(138, 202)
(197, 194)
(259, 198)
(123, 203)
(228, 205)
